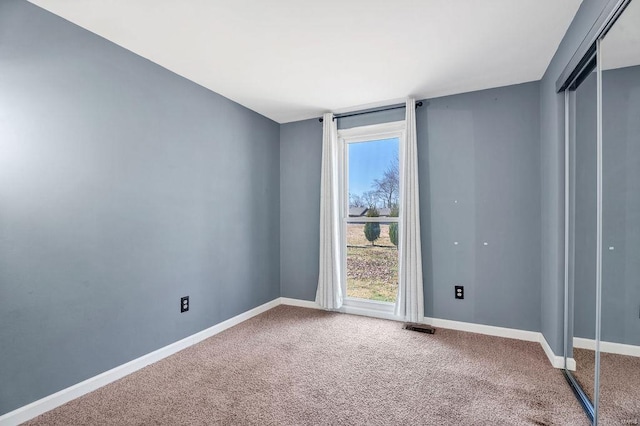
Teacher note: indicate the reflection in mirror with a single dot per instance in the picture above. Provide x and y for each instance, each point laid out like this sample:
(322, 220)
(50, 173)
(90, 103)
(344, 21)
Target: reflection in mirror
(620, 323)
(582, 231)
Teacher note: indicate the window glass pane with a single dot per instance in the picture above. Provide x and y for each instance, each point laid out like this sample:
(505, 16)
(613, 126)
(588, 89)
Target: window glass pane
(374, 176)
(372, 261)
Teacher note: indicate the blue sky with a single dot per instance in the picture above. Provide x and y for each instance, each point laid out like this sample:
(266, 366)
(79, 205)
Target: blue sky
(368, 161)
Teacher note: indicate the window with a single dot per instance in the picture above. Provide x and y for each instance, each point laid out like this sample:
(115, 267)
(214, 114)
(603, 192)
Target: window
(370, 212)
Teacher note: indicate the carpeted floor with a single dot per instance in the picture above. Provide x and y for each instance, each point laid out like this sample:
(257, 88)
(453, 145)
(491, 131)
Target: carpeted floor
(295, 366)
(619, 385)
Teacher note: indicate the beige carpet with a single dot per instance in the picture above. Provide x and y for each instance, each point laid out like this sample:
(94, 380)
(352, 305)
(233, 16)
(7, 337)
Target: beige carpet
(295, 366)
(619, 385)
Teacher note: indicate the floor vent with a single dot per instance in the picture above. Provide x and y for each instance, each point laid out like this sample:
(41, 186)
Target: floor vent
(422, 328)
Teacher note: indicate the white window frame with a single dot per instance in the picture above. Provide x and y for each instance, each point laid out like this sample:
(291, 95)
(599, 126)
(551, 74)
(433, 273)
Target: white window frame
(395, 129)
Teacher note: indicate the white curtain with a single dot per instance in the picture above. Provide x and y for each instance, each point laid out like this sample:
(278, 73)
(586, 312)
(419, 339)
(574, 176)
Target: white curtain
(329, 294)
(410, 301)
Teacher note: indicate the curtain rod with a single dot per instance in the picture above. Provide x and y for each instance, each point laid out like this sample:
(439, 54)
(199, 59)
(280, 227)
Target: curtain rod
(418, 104)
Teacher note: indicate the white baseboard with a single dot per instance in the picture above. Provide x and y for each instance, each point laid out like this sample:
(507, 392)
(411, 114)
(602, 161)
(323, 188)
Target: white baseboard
(511, 333)
(489, 330)
(57, 399)
(607, 347)
(299, 303)
(555, 360)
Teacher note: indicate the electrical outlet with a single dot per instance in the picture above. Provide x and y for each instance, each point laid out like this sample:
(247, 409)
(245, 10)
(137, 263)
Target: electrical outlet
(184, 304)
(459, 292)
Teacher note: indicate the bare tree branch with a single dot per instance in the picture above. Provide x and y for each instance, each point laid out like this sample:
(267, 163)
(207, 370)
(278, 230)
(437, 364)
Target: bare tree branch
(388, 187)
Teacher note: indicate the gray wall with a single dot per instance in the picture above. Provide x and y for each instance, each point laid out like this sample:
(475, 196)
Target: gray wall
(479, 148)
(300, 161)
(122, 188)
(482, 150)
(621, 207)
(552, 175)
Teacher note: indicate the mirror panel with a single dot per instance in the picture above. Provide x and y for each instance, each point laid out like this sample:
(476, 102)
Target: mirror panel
(620, 321)
(582, 231)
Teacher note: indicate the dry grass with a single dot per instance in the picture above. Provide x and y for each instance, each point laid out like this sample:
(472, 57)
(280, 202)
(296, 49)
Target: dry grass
(372, 271)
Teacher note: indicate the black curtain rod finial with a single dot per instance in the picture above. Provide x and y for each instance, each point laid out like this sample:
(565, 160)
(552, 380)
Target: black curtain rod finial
(418, 104)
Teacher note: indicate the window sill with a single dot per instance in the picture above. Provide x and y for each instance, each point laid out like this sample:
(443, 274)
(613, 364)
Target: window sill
(369, 308)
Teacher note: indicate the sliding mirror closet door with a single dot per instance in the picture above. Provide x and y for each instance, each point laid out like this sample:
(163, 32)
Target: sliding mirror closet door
(619, 60)
(582, 109)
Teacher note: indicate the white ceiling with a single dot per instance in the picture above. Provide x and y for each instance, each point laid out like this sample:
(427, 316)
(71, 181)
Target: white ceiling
(295, 59)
